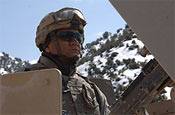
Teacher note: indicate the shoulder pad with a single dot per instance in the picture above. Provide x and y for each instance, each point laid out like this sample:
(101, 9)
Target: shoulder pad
(85, 78)
(36, 66)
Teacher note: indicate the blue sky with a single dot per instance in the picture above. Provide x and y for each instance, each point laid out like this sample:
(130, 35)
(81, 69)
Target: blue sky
(20, 18)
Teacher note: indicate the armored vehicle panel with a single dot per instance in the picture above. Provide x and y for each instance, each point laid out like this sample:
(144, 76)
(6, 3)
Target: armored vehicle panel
(34, 92)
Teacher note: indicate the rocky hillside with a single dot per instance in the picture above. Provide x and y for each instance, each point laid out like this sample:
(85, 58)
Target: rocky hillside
(114, 56)
(9, 64)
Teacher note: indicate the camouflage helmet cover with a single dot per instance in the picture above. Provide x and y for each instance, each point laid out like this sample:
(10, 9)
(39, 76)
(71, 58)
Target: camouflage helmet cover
(58, 20)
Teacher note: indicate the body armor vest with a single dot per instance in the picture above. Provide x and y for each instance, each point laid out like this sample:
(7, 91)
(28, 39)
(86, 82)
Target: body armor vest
(80, 99)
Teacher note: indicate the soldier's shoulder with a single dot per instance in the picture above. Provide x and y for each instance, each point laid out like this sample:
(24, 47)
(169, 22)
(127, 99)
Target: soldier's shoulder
(36, 66)
(83, 77)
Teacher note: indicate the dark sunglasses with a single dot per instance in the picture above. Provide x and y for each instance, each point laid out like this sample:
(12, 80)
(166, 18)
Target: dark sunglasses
(69, 36)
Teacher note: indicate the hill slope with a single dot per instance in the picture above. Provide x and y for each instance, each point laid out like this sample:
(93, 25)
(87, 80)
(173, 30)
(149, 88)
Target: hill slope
(115, 57)
(9, 64)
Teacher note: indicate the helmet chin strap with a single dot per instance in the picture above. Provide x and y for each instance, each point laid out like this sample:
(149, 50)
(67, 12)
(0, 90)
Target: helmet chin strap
(61, 57)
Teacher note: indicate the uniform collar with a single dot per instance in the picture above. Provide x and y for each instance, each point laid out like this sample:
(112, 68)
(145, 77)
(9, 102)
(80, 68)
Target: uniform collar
(47, 62)
(50, 62)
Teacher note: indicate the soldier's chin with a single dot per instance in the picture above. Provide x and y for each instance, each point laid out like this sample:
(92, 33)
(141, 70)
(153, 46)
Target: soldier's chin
(77, 57)
(74, 59)
(74, 55)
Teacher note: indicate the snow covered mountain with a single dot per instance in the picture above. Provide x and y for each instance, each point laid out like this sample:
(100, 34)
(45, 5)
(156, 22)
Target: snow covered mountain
(114, 56)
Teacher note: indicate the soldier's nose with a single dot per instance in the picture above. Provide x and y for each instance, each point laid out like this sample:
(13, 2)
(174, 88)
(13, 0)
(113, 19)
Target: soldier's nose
(74, 41)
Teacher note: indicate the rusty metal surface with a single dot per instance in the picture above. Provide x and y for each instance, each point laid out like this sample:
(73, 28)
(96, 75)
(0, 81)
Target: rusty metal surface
(154, 23)
(34, 92)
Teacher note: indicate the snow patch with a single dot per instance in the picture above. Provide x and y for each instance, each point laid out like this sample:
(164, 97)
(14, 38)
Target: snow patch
(168, 90)
(2, 71)
(98, 46)
(120, 33)
(81, 69)
(103, 41)
(132, 73)
(1, 54)
(33, 61)
(16, 62)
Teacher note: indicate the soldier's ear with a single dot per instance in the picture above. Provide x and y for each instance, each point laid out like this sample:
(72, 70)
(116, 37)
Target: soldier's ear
(47, 50)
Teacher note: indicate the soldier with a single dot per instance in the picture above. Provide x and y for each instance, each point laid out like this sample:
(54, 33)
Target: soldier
(60, 36)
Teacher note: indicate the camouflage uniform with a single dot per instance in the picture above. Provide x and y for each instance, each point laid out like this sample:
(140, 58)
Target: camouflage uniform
(80, 96)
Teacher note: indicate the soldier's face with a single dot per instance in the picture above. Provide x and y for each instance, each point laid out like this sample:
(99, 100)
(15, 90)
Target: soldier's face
(68, 48)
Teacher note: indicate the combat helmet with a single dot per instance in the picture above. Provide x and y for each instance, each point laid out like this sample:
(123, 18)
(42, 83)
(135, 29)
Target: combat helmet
(64, 18)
